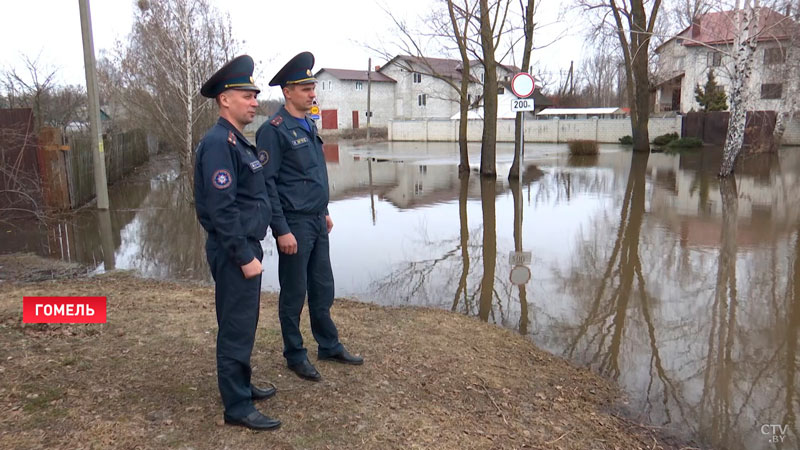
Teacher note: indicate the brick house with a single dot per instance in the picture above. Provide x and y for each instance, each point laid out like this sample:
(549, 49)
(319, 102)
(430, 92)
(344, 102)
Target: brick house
(685, 60)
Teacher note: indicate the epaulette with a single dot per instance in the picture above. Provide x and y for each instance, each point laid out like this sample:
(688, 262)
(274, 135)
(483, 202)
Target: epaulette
(276, 121)
(231, 138)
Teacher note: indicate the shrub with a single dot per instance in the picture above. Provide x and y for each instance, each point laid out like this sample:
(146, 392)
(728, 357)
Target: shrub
(665, 139)
(686, 142)
(626, 140)
(582, 147)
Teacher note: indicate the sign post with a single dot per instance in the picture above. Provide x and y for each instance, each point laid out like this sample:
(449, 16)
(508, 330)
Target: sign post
(522, 85)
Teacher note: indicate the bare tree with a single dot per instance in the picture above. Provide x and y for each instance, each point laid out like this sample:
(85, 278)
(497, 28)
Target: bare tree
(466, 13)
(492, 20)
(633, 27)
(174, 46)
(446, 31)
(30, 86)
(744, 47)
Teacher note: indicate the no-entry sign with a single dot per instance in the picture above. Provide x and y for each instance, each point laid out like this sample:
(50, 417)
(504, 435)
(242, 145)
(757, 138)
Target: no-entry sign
(522, 85)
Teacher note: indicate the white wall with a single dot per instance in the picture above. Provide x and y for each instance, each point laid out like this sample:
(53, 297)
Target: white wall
(601, 130)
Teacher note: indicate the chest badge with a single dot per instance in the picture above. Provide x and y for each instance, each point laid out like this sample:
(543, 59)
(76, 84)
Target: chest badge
(263, 156)
(294, 133)
(221, 179)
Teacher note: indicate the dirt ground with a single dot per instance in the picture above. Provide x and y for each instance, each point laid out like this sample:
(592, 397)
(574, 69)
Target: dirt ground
(146, 379)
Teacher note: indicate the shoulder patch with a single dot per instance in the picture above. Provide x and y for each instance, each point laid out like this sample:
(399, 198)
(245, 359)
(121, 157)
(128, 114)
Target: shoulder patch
(231, 138)
(263, 156)
(221, 179)
(277, 120)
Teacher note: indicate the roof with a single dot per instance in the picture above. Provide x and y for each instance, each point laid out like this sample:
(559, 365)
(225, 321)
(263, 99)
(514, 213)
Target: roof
(355, 75)
(446, 68)
(579, 111)
(720, 28)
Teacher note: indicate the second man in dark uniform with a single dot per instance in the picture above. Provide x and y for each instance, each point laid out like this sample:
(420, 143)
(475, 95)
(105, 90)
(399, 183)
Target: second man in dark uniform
(297, 182)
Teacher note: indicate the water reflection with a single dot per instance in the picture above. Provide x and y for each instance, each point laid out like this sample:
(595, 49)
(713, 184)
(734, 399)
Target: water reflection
(681, 287)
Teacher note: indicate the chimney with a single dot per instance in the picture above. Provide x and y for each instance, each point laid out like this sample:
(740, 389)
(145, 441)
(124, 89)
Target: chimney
(377, 68)
(696, 28)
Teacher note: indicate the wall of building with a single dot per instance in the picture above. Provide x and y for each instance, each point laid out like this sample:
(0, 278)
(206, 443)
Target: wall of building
(342, 96)
(601, 130)
(441, 102)
(697, 67)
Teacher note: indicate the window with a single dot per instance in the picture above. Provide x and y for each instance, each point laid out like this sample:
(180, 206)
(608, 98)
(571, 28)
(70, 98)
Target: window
(324, 83)
(469, 99)
(422, 99)
(417, 77)
(483, 75)
(714, 59)
(773, 56)
(359, 86)
(771, 90)
(501, 90)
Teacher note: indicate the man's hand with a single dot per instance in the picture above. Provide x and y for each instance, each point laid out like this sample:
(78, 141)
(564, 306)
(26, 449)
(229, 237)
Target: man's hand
(252, 269)
(287, 244)
(329, 223)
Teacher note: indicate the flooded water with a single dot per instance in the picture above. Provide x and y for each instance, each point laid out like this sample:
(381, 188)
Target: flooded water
(682, 288)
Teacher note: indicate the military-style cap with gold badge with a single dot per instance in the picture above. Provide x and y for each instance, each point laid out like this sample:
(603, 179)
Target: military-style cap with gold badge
(296, 71)
(236, 74)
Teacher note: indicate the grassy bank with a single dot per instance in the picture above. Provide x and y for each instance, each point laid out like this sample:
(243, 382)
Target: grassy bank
(146, 379)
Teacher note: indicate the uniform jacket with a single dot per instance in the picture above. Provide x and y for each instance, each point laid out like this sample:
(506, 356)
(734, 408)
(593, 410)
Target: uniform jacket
(296, 175)
(230, 192)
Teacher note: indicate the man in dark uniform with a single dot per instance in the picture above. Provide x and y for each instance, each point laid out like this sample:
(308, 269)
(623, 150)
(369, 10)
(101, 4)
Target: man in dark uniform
(233, 207)
(297, 182)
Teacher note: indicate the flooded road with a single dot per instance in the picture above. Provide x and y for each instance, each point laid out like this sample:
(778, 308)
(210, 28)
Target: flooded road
(682, 288)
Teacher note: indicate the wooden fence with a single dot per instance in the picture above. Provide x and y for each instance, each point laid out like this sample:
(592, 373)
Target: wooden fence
(123, 152)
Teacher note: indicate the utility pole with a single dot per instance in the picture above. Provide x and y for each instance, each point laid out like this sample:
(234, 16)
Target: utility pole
(369, 91)
(100, 183)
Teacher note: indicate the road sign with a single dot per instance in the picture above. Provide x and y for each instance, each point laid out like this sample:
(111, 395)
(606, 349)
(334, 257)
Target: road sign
(520, 275)
(522, 85)
(519, 258)
(314, 112)
(522, 104)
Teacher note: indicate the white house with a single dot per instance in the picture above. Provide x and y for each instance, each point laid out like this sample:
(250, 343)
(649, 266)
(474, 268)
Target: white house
(342, 98)
(404, 88)
(685, 60)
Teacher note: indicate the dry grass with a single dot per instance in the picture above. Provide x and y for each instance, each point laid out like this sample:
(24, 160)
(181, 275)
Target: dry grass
(582, 147)
(146, 379)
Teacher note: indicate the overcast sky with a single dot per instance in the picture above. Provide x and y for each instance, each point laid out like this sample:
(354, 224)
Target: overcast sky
(335, 31)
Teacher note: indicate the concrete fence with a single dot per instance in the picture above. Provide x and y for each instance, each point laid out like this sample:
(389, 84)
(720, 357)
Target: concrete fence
(554, 130)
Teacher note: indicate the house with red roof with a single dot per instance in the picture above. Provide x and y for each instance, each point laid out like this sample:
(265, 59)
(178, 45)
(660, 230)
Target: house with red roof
(685, 60)
(342, 98)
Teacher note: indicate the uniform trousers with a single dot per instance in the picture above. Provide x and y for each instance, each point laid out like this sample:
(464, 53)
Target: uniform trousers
(307, 271)
(237, 303)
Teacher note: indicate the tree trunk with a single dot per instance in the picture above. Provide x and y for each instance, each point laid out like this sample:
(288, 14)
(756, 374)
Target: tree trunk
(489, 137)
(461, 40)
(745, 44)
(488, 192)
(640, 40)
(513, 173)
